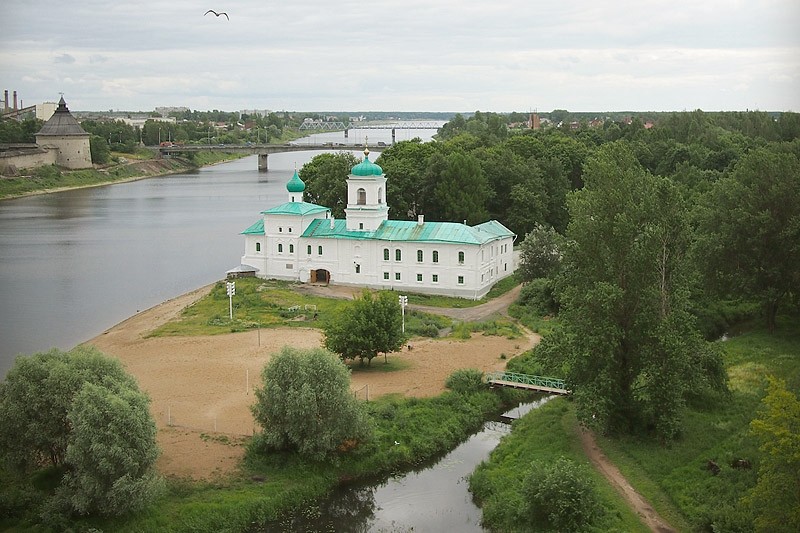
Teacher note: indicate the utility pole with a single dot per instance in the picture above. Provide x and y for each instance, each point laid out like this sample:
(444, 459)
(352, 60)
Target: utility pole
(403, 304)
(231, 286)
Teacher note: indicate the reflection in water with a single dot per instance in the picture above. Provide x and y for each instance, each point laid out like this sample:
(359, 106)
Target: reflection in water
(433, 497)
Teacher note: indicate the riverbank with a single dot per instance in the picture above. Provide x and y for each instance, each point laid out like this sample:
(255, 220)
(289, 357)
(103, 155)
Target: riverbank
(45, 180)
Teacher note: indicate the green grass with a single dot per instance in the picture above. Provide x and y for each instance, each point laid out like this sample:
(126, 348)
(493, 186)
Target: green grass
(502, 287)
(544, 434)
(379, 365)
(272, 303)
(420, 324)
(499, 327)
(675, 478)
(433, 300)
(257, 303)
(532, 320)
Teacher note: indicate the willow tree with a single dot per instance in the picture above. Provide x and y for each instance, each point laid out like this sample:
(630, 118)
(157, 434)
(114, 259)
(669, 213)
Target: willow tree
(305, 404)
(628, 344)
(79, 414)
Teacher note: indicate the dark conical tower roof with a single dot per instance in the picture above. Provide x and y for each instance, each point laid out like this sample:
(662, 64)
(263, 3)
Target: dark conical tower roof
(62, 123)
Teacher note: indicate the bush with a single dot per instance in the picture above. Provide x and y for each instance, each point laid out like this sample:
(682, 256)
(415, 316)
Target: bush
(465, 380)
(305, 404)
(561, 496)
(538, 296)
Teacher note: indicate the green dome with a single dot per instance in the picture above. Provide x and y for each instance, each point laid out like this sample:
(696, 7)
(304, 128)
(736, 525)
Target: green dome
(295, 184)
(366, 167)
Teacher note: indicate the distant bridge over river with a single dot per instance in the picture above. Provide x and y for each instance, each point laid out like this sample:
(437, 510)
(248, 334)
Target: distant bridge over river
(321, 125)
(263, 150)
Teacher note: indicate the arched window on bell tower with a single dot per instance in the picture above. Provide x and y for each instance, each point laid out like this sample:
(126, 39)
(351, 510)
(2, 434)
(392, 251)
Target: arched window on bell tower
(361, 197)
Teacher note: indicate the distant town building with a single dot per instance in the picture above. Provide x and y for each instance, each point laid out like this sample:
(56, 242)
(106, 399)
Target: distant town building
(301, 241)
(138, 122)
(45, 110)
(166, 110)
(255, 112)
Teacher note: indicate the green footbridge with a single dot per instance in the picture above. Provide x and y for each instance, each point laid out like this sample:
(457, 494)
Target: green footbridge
(526, 381)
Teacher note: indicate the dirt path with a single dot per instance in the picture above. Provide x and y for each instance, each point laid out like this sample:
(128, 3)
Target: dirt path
(636, 501)
(467, 314)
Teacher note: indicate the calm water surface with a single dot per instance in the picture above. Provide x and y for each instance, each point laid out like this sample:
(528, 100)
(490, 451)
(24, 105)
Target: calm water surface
(433, 498)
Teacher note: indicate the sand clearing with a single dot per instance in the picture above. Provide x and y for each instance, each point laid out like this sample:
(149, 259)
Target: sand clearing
(201, 387)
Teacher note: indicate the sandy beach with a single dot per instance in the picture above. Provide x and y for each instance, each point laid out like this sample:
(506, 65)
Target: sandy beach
(201, 387)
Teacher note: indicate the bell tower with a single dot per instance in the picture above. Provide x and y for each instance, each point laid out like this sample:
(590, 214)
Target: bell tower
(366, 196)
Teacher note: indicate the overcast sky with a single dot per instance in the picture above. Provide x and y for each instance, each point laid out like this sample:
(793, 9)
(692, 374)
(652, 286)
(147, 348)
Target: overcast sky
(404, 55)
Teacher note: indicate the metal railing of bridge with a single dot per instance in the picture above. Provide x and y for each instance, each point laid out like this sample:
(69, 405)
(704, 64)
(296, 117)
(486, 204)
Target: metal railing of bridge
(338, 126)
(545, 383)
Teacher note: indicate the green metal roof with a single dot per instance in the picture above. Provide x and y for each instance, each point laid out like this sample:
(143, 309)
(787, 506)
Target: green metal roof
(411, 231)
(255, 229)
(295, 208)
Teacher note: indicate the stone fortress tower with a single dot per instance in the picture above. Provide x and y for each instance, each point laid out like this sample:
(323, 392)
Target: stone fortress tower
(63, 135)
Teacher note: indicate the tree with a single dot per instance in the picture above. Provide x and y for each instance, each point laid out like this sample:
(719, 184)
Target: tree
(503, 170)
(540, 253)
(111, 453)
(35, 426)
(369, 325)
(628, 344)
(325, 177)
(776, 496)
(305, 404)
(81, 413)
(101, 153)
(404, 164)
(560, 496)
(750, 225)
(460, 190)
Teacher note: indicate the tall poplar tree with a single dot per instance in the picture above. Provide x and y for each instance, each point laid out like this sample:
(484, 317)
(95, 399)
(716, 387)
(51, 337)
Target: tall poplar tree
(628, 344)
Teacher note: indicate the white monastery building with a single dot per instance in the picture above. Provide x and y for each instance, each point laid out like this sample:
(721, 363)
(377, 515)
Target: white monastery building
(300, 241)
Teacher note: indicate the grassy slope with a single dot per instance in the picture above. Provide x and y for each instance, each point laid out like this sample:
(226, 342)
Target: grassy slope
(545, 434)
(49, 178)
(674, 478)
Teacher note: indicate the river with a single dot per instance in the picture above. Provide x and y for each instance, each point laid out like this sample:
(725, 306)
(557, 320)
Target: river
(434, 497)
(74, 263)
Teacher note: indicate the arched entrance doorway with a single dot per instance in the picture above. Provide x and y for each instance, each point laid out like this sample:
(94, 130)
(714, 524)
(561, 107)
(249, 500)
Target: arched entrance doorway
(320, 276)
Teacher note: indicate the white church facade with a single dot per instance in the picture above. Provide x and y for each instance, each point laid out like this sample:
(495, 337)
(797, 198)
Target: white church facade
(300, 241)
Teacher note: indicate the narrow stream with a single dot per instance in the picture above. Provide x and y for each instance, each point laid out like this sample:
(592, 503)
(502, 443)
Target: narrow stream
(434, 497)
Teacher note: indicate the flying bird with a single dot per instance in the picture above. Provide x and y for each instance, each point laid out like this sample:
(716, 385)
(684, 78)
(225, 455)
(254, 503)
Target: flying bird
(217, 14)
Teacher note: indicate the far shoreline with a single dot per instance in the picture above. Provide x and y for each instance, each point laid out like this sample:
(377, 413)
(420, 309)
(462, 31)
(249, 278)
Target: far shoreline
(164, 172)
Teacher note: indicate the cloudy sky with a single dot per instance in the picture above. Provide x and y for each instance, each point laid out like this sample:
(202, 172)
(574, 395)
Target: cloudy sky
(404, 55)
